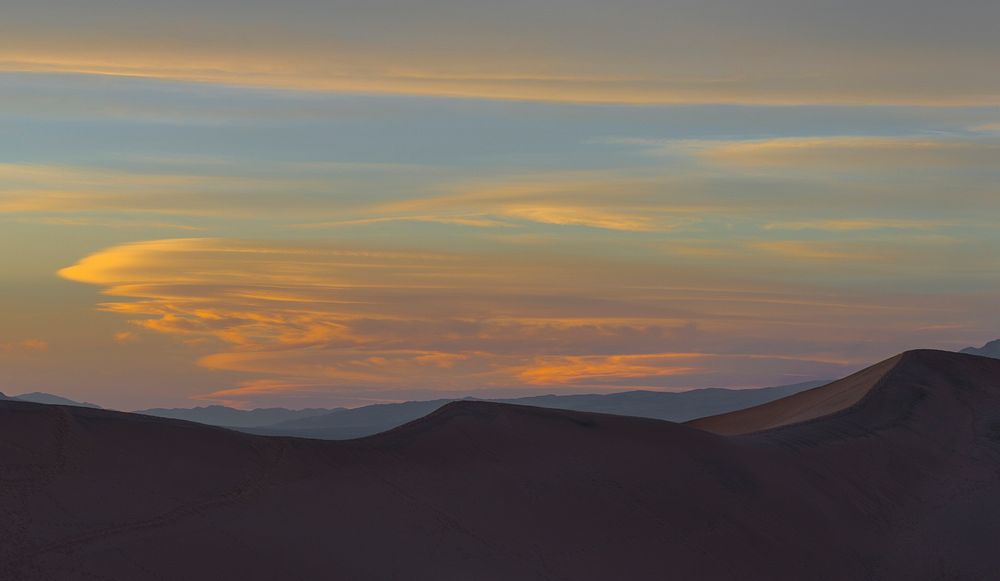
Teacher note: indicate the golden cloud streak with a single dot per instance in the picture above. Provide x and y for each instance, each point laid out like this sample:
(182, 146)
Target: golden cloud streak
(857, 224)
(521, 83)
(582, 369)
(313, 314)
(24, 346)
(858, 153)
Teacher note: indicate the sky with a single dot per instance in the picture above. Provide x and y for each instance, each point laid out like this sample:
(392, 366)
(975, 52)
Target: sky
(341, 203)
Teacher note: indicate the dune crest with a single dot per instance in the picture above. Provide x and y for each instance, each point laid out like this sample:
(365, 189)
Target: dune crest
(807, 405)
(892, 474)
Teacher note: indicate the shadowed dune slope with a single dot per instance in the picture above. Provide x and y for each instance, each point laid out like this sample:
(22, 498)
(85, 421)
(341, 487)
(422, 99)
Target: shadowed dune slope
(900, 482)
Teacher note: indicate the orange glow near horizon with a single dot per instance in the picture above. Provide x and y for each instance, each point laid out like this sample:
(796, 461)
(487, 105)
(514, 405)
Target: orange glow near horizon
(302, 316)
(318, 202)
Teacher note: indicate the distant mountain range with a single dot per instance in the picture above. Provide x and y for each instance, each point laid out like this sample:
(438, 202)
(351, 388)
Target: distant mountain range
(991, 349)
(217, 415)
(343, 423)
(672, 406)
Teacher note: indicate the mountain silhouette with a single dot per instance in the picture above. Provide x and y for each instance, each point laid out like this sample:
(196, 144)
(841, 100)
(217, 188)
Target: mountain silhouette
(893, 473)
(991, 349)
(217, 415)
(48, 398)
(661, 405)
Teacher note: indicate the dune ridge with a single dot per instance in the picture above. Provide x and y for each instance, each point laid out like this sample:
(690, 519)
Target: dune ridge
(804, 406)
(900, 480)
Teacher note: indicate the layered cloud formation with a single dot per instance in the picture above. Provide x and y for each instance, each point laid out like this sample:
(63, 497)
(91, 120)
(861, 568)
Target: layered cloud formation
(636, 51)
(315, 316)
(317, 203)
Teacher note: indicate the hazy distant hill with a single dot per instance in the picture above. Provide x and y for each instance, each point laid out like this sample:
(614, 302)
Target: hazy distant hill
(342, 423)
(48, 398)
(217, 415)
(991, 349)
(676, 407)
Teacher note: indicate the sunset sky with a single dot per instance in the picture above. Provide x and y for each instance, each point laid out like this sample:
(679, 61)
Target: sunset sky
(333, 202)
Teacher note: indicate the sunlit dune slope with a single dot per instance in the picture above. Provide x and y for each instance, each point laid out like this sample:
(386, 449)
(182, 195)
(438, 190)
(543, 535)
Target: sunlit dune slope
(807, 405)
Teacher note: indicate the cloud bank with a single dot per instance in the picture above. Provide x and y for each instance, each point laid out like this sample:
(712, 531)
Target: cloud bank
(326, 316)
(640, 51)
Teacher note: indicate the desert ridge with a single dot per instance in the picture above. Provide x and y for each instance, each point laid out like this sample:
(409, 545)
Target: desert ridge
(893, 473)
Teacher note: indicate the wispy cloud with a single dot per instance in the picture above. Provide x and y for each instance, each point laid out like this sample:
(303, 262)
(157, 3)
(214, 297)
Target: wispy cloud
(822, 252)
(595, 199)
(24, 346)
(774, 53)
(34, 188)
(296, 315)
(478, 221)
(380, 215)
(857, 224)
(128, 224)
(597, 369)
(858, 153)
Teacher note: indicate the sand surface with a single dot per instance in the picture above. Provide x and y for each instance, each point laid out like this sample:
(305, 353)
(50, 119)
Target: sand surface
(807, 405)
(893, 474)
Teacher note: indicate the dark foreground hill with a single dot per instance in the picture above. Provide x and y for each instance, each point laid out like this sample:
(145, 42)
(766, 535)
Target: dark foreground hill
(891, 474)
(661, 405)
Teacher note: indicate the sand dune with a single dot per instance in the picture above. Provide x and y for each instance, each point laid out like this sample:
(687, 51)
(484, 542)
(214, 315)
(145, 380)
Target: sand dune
(891, 474)
(807, 405)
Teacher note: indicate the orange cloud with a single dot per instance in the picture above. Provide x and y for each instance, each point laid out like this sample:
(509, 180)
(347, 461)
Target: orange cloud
(857, 224)
(653, 54)
(36, 190)
(856, 153)
(24, 346)
(595, 199)
(124, 337)
(237, 396)
(823, 251)
(327, 316)
(588, 369)
(582, 216)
